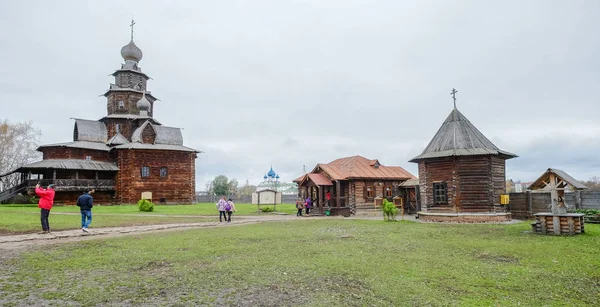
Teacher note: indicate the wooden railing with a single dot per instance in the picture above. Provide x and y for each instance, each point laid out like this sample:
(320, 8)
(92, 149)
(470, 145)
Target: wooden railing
(76, 184)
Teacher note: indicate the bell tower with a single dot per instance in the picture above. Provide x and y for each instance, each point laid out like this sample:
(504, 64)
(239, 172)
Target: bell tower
(130, 85)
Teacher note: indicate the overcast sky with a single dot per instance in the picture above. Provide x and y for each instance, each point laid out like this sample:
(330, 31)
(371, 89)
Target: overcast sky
(293, 83)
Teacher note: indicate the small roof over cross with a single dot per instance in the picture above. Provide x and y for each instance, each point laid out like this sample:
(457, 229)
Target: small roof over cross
(453, 93)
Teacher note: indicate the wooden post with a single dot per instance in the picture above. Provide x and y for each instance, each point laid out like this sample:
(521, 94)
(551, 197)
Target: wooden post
(321, 199)
(337, 193)
(529, 203)
(418, 197)
(577, 199)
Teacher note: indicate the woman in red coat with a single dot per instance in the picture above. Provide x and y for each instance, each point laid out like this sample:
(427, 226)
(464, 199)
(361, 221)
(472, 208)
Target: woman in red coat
(45, 203)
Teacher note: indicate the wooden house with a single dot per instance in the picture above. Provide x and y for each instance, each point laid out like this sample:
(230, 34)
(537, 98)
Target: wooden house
(352, 183)
(461, 170)
(122, 154)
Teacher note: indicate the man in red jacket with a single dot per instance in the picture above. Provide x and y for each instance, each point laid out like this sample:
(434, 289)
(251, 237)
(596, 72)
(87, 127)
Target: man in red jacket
(45, 203)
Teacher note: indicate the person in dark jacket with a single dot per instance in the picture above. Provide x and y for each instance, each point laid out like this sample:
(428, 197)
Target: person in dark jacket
(45, 204)
(85, 203)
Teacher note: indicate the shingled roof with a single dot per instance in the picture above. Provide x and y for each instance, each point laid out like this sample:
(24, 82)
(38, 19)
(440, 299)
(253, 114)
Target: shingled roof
(564, 180)
(458, 137)
(358, 167)
(89, 130)
(164, 135)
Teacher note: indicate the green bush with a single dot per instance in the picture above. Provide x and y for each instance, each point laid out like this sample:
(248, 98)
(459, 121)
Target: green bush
(389, 210)
(588, 212)
(34, 200)
(266, 209)
(145, 205)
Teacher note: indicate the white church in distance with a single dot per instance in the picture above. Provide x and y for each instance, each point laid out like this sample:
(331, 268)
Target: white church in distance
(271, 182)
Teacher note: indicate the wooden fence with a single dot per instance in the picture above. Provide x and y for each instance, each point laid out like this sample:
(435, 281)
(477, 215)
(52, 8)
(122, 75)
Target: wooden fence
(524, 205)
(246, 199)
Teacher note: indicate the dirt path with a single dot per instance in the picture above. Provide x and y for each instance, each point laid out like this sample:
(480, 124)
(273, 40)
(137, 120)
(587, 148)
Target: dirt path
(11, 242)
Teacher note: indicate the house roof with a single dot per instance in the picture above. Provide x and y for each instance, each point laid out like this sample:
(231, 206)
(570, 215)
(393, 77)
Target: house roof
(117, 139)
(168, 135)
(410, 183)
(71, 164)
(156, 147)
(79, 144)
(131, 116)
(358, 167)
(120, 89)
(89, 130)
(563, 181)
(164, 135)
(458, 137)
(317, 179)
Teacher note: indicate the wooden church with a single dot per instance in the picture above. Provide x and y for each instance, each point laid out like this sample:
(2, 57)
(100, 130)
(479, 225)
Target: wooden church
(121, 155)
(461, 171)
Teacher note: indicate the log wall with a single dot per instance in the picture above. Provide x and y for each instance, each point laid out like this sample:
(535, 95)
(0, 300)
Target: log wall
(70, 197)
(474, 183)
(74, 153)
(177, 187)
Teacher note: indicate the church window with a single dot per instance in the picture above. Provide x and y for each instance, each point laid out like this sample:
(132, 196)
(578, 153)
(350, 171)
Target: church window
(145, 171)
(88, 158)
(164, 172)
(118, 128)
(121, 104)
(440, 193)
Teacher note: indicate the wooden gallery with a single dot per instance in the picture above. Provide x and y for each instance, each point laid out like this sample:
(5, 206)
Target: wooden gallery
(123, 154)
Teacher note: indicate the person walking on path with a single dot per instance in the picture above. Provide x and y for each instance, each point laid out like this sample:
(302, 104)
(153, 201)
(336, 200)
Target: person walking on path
(308, 205)
(45, 204)
(230, 208)
(221, 207)
(299, 206)
(85, 203)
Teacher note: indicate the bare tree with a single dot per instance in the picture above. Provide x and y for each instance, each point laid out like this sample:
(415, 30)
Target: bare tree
(233, 187)
(209, 187)
(593, 184)
(18, 143)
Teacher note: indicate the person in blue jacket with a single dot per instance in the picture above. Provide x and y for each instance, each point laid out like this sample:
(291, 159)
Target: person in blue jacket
(85, 203)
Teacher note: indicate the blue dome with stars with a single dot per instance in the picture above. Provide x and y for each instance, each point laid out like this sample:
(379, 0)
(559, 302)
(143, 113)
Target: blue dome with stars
(271, 173)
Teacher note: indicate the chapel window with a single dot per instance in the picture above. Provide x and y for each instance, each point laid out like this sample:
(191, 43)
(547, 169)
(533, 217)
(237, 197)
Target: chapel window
(440, 193)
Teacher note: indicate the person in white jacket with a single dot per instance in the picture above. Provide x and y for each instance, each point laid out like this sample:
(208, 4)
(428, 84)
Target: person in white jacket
(221, 207)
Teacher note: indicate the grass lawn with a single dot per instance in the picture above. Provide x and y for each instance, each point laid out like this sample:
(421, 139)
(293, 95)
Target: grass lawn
(16, 219)
(195, 209)
(324, 262)
(17, 222)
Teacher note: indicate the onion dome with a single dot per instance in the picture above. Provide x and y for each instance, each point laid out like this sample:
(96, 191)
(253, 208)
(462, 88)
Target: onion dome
(131, 52)
(271, 173)
(143, 104)
(265, 177)
(277, 177)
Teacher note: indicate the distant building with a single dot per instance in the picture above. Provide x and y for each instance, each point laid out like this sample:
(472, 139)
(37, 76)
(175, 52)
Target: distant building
(271, 182)
(351, 182)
